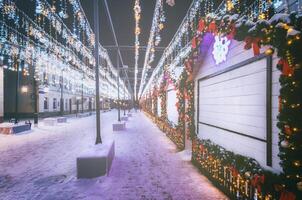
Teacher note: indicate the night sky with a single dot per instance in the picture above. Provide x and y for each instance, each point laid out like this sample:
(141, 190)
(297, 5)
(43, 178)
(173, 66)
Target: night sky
(123, 20)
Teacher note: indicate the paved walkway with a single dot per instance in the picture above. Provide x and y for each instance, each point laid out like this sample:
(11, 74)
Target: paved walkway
(41, 165)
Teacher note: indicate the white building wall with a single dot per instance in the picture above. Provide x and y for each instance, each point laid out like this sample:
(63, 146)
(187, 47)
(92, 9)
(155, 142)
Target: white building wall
(66, 96)
(240, 144)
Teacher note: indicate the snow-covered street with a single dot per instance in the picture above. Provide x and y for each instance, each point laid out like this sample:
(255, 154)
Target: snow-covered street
(42, 164)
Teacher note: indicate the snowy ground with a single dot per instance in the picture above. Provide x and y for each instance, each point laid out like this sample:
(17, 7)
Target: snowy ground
(41, 164)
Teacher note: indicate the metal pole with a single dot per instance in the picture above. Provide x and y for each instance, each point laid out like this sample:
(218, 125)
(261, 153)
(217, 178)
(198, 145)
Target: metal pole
(83, 93)
(17, 93)
(36, 99)
(62, 101)
(124, 100)
(118, 90)
(97, 81)
(35, 94)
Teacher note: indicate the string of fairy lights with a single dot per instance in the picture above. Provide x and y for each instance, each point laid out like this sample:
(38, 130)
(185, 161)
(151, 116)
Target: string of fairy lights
(40, 39)
(137, 17)
(174, 45)
(154, 40)
(257, 10)
(238, 176)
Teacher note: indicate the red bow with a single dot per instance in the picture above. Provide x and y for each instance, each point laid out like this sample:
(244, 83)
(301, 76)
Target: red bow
(212, 27)
(201, 25)
(194, 43)
(253, 42)
(257, 181)
(280, 103)
(285, 195)
(286, 69)
(234, 171)
(231, 35)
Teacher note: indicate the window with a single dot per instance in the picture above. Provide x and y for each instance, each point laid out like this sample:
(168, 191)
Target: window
(45, 103)
(45, 78)
(66, 104)
(53, 80)
(54, 103)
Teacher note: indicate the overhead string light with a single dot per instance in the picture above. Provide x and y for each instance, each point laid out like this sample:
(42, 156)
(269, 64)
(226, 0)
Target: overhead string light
(137, 31)
(175, 50)
(154, 40)
(63, 47)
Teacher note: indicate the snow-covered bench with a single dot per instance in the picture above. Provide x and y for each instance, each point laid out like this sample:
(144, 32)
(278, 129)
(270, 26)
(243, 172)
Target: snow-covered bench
(11, 128)
(129, 114)
(124, 118)
(119, 126)
(81, 115)
(50, 121)
(97, 161)
(62, 119)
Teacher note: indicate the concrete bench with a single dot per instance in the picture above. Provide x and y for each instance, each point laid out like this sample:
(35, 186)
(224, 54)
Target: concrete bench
(62, 119)
(11, 128)
(50, 121)
(82, 115)
(21, 128)
(96, 162)
(119, 126)
(124, 118)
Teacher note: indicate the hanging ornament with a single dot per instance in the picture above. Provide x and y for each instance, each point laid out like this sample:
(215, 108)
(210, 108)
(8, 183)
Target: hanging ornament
(220, 49)
(297, 163)
(157, 40)
(38, 8)
(299, 186)
(284, 144)
(170, 2)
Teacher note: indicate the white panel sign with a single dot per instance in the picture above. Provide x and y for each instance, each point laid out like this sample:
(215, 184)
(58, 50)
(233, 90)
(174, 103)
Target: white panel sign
(233, 104)
(171, 108)
(158, 106)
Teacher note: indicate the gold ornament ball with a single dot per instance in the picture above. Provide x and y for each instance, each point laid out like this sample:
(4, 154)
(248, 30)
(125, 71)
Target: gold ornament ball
(247, 174)
(299, 186)
(297, 163)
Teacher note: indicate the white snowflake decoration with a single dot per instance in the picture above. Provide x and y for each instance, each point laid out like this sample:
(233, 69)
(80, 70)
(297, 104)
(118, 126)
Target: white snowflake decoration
(221, 49)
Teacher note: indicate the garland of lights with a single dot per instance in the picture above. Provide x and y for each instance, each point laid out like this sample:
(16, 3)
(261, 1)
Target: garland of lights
(154, 40)
(137, 17)
(34, 43)
(230, 172)
(281, 33)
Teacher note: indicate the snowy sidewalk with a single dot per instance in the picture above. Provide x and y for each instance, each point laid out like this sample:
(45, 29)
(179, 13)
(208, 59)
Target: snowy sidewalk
(41, 165)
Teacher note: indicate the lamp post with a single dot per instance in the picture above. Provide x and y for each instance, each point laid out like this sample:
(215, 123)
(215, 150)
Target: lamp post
(62, 87)
(97, 81)
(118, 89)
(17, 93)
(124, 97)
(82, 97)
(36, 101)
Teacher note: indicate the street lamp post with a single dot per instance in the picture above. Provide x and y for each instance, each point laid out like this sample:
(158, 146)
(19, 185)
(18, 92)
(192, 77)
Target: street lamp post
(36, 101)
(62, 100)
(17, 93)
(82, 93)
(118, 89)
(97, 81)
(124, 100)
